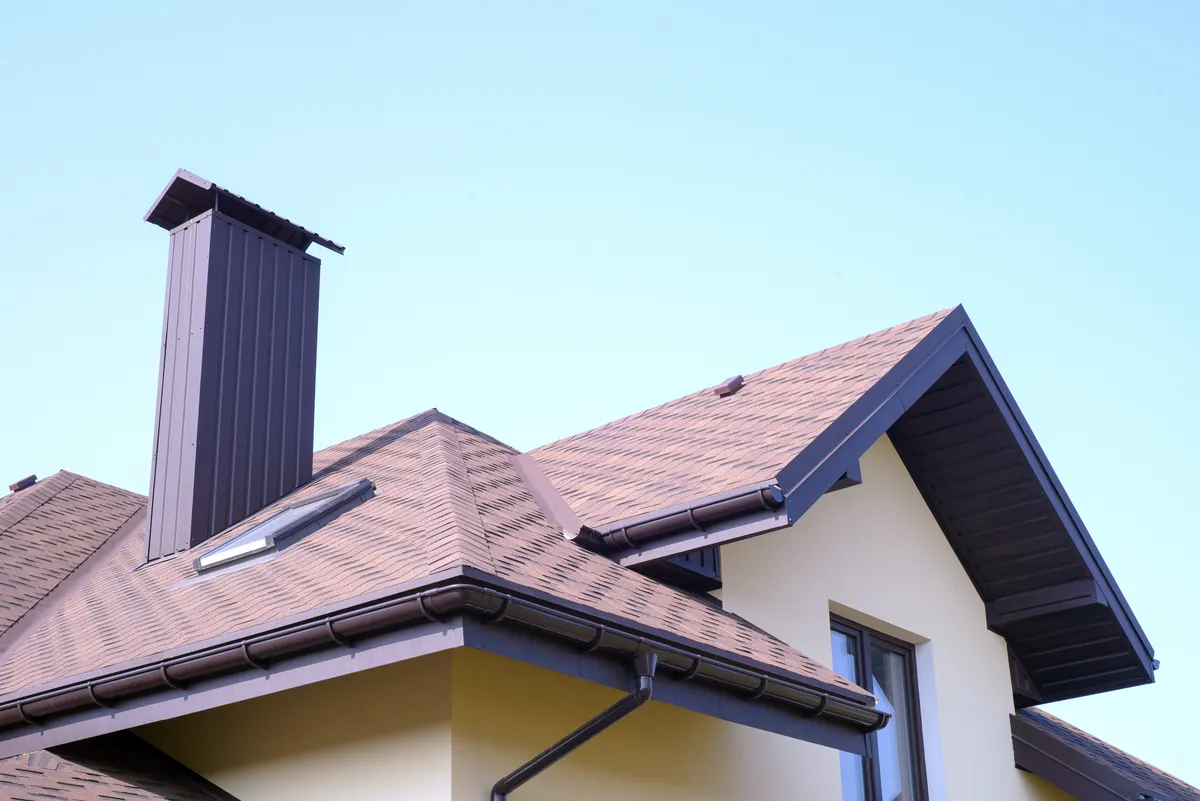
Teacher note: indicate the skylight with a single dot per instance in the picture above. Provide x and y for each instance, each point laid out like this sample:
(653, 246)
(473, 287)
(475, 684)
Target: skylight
(286, 526)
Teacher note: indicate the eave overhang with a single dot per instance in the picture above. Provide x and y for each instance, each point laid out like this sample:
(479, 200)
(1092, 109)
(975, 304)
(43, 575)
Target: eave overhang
(461, 608)
(991, 489)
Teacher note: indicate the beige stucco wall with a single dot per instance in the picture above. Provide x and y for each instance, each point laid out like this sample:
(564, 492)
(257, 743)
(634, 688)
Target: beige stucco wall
(874, 553)
(504, 712)
(380, 734)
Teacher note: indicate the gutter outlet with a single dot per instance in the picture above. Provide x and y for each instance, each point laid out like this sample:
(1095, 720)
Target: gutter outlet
(644, 665)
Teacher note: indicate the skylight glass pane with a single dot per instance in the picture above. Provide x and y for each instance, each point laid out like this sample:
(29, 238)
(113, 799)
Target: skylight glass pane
(266, 537)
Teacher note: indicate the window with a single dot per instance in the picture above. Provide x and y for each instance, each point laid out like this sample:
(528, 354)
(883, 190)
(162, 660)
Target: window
(286, 526)
(894, 767)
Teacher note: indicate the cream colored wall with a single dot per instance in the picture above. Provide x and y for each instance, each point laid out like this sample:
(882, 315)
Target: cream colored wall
(874, 553)
(380, 734)
(504, 712)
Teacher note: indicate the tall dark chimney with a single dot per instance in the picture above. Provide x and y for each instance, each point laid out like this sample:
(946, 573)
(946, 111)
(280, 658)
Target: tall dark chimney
(234, 426)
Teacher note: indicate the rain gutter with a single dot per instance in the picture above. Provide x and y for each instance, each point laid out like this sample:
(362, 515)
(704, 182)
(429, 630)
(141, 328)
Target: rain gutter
(344, 629)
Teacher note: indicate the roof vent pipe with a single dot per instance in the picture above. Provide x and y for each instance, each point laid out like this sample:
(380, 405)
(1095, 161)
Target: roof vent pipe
(644, 665)
(234, 427)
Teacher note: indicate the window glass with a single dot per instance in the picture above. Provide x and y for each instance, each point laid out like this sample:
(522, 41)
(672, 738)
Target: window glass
(845, 664)
(892, 769)
(895, 742)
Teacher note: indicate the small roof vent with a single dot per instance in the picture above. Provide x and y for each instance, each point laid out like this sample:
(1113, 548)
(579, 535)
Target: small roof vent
(24, 483)
(729, 386)
(287, 526)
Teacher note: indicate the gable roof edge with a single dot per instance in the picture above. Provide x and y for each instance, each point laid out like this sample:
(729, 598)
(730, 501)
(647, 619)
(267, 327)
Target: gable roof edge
(1057, 494)
(807, 477)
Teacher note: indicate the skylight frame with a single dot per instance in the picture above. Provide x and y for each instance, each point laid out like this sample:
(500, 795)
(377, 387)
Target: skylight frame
(273, 534)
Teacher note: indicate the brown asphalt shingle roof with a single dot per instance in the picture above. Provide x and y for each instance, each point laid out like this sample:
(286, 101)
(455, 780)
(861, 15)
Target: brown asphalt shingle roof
(105, 769)
(48, 530)
(702, 444)
(1154, 781)
(447, 496)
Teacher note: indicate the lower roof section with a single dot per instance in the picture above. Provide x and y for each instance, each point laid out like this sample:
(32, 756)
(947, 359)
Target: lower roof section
(462, 610)
(1085, 766)
(114, 766)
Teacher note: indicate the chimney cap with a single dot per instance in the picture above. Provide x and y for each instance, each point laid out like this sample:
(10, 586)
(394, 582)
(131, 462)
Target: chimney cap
(24, 483)
(188, 195)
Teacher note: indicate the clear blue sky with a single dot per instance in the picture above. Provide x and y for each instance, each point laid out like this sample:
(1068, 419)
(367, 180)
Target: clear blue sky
(556, 216)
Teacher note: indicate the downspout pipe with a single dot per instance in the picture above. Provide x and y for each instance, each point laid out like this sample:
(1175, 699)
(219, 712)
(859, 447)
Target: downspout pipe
(644, 665)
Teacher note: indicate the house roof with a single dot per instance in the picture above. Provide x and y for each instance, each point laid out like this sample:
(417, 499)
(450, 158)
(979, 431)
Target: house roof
(50, 534)
(1087, 767)
(702, 444)
(47, 532)
(117, 766)
(658, 484)
(448, 497)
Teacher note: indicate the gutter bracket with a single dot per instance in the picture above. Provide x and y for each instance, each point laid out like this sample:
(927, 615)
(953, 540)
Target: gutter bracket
(644, 665)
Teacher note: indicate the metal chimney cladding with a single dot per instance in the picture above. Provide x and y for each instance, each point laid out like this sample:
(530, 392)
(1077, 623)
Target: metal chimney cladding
(234, 423)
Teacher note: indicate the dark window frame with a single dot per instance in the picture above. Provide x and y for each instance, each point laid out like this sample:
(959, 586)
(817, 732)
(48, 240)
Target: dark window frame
(864, 638)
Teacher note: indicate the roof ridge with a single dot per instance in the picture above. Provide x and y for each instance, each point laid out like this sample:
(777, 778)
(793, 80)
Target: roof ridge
(413, 422)
(52, 599)
(453, 511)
(749, 376)
(104, 484)
(487, 542)
(71, 478)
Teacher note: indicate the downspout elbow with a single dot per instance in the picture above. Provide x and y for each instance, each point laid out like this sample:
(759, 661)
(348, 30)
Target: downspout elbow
(645, 689)
(644, 665)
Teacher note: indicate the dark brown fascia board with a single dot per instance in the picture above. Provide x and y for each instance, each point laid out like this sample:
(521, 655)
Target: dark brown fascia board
(1067, 768)
(717, 519)
(50, 603)
(368, 635)
(690, 539)
(1011, 609)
